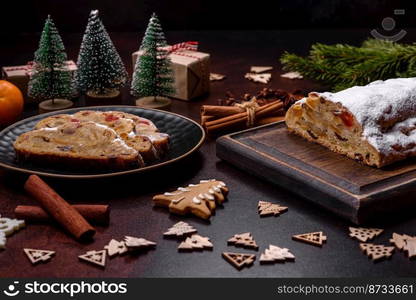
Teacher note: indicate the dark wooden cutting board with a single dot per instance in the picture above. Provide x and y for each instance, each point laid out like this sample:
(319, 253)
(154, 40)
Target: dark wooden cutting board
(345, 187)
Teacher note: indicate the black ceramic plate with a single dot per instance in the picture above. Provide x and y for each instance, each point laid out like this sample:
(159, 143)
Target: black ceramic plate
(186, 136)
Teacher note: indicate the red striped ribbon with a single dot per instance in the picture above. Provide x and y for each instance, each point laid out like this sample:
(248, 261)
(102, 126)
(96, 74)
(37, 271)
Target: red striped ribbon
(29, 66)
(190, 45)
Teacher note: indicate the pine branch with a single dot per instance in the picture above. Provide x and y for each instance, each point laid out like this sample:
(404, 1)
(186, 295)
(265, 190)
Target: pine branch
(342, 66)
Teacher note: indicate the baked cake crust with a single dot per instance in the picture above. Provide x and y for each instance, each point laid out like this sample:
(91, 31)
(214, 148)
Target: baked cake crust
(77, 145)
(374, 124)
(93, 139)
(137, 132)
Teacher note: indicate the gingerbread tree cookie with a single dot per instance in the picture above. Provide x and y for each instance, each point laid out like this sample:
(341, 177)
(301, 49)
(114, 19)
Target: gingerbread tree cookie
(195, 242)
(270, 209)
(180, 229)
(364, 234)
(376, 252)
(243, 240)
(313, 238)
(199, 199)
(239, 260)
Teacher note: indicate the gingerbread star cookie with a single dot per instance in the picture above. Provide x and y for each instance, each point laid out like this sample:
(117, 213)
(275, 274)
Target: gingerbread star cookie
(199, 199)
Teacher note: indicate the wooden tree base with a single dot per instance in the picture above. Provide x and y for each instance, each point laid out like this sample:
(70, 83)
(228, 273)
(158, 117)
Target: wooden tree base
(112, 97)
(154, 102)
(109, 95)
(56, 104)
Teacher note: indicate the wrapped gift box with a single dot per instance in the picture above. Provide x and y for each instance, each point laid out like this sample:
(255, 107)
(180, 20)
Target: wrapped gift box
(191, 72)
(19, 76)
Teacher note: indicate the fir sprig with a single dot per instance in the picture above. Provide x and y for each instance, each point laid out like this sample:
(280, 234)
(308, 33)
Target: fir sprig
(342, 66)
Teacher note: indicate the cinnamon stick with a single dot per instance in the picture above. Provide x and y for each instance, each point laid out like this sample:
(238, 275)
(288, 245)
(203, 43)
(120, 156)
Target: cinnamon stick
(97, 214)
(220, 111)
(59, 209)
(238, 119)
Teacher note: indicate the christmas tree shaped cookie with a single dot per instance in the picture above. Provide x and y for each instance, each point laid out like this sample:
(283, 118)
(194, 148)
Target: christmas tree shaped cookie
(2, 240)
(101, 72)
(115, 247)
(180, 229)
(35, 255)
(276, 254)
(376, 252)
(313, 238)
(94, 257)
(364, 234)
(199, 199)
(195, 242)
(270, 209)
(9, 226)
(135, 243)
(243, 240)
(410, 247)
(405, 242)
(239, 260)
(399, 240)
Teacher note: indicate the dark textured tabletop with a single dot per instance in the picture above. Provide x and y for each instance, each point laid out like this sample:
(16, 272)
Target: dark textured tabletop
(132, 211)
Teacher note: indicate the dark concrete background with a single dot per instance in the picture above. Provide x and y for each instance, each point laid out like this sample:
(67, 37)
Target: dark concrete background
(132, 15)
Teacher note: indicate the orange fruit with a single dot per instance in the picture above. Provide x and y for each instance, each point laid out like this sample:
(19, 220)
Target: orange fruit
(11, 103)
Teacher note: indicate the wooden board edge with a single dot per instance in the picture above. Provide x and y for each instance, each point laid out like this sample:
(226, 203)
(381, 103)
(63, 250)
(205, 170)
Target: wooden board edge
(228, 149)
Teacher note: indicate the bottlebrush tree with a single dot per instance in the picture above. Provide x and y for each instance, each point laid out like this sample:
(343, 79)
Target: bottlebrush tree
(100, 68)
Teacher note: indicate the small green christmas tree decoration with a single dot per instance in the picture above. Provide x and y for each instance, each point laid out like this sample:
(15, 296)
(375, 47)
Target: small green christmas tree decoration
(153, 76)
(101, 72)
(342, 66)
(50, 80)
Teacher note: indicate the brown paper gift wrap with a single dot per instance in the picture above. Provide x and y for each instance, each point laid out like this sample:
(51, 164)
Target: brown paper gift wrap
(191, 72)
(19, 76)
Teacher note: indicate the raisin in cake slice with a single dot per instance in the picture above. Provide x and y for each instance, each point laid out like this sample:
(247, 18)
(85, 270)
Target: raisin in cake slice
(126, 125)
(374, 124)
(77, 144)
(144, 127)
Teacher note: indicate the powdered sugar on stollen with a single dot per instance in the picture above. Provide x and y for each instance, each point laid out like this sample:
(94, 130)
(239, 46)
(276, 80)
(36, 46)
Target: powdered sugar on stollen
(382, 101)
